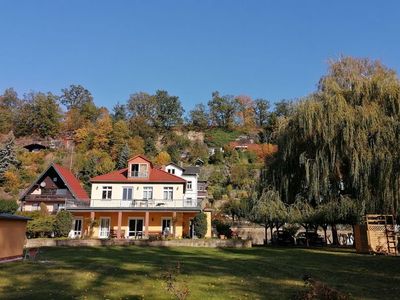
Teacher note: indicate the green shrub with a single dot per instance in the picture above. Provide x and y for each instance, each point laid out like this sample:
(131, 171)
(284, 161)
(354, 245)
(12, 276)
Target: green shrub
(40, 226)
(62, 224)
(223, 228)
(200, 225)
(8, 206)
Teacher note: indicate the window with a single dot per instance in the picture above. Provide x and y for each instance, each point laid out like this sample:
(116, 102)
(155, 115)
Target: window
(135, 227)
(107, 192)
(171, 171)
(166, 226)
(139, 170)
(77, 227)
(61, 192)
(35, 206)
(189, 185)
(148, 193)
(168, 193)
(127, 193)
(189, 202)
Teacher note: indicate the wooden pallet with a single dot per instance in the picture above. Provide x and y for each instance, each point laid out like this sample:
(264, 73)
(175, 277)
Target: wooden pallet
(381, 234)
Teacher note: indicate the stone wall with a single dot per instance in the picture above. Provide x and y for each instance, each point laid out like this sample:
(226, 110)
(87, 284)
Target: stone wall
(209, 243)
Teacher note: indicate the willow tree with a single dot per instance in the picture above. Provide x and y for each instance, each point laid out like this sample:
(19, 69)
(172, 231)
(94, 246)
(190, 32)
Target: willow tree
(268, 210)
(344, 140)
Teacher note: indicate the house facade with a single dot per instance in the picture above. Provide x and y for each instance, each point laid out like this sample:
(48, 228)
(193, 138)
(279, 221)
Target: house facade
(55, 187)
(138, 201)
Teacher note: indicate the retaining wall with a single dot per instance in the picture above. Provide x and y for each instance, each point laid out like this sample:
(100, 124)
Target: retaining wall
(209, 243)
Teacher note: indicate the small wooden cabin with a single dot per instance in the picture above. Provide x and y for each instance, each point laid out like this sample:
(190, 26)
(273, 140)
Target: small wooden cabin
(12, 237)
(377, 235)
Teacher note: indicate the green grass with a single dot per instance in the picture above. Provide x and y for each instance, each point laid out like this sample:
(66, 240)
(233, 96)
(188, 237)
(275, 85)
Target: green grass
(136, 273)
(218, 137)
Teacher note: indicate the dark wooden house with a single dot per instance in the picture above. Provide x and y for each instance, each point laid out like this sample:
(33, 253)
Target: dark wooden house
(56, 187)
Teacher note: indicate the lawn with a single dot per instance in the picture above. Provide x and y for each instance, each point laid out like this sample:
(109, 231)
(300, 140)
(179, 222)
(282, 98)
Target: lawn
(137, 272)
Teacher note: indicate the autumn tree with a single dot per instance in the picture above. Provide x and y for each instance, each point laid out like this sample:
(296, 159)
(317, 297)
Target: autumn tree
(103, 130)
(245, 112)
(162, 158)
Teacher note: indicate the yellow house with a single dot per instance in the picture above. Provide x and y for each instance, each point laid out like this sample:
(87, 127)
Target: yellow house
(138, 201)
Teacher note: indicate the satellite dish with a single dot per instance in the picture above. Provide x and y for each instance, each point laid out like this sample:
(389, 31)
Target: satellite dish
(43, 184)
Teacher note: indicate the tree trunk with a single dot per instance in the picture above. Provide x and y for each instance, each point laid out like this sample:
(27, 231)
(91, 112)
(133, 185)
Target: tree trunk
(271, 229)
(354, 238)
(266, 234)
(335, 239)
(325, 228)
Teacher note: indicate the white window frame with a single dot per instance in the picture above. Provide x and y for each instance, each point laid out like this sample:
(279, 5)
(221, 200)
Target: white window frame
(170, 193)
(73, 227)
(171, 229)
(140, 173)
(127, 188)
(135, 218)
(189, 185)
(108, 230)
(108, 189)
(147, 189)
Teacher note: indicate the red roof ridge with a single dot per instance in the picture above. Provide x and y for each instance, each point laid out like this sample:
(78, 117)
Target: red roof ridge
(141, 156)
(71, 181)
(155, 175)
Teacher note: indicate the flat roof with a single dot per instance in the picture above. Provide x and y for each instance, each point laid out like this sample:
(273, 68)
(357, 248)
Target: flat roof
(13, 217)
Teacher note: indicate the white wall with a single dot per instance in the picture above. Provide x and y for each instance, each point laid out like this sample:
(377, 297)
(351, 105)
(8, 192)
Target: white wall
(178, 171)
(117, 188)
(192, 194)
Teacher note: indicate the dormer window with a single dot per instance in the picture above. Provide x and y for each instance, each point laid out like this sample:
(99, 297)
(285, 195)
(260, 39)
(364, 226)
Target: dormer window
(171, 171)
(139, 170)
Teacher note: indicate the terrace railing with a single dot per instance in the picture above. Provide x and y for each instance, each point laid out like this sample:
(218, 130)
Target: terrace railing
(168, 203)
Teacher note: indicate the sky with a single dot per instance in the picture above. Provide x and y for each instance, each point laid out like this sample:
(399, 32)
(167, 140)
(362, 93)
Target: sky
(264, 49)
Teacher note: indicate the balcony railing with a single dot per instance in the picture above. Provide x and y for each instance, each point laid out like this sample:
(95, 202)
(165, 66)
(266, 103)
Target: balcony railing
(139, 174)
(160, 203)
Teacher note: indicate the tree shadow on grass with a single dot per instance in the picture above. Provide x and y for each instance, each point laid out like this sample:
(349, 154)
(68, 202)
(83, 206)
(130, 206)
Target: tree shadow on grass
(136, 272)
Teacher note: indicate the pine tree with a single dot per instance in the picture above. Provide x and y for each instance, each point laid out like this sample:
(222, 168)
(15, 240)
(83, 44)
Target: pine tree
(7, 156)
(123, 157)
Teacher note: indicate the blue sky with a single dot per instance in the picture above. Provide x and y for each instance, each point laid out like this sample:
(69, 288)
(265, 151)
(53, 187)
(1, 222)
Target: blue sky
(268, 49)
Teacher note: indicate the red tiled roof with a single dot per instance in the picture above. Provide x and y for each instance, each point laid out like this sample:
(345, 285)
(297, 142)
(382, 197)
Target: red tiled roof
(155, 175)
(72, 182)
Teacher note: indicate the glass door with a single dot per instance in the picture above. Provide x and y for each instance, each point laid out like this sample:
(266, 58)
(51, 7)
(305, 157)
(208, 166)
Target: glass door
(77, 227)
(135, 228)
(166, 226)
(104, 228)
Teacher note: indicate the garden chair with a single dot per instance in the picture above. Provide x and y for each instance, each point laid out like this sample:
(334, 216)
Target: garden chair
(31, 253)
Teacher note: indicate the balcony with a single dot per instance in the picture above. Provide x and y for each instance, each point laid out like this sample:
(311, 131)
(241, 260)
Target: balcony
(137, 174)
(46, 198)
(143, 203)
